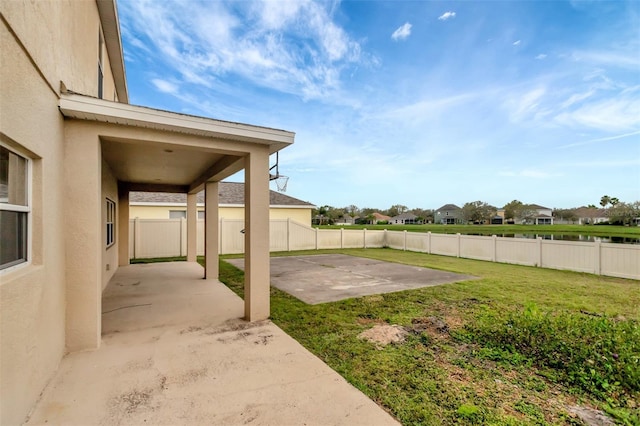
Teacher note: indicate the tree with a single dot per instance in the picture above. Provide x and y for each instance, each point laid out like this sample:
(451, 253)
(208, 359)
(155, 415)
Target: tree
(425, 215)
(624, 213)
(352, 210)
(396, 210)
(569, 215)
(478, 212)
(604, 201)
(613, 201)
(511, 209)
(527, 213)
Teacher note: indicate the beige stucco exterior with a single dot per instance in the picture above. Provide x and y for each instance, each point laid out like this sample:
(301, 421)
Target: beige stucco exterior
(82, 151)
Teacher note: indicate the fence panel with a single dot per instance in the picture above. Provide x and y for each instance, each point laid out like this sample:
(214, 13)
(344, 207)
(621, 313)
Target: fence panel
(520, 251)
(395, 239)
(353, 238)
(329, 239)
(374, 239)
(476, 247)
(302, 237)
(278, 235)
(573, 256)
(231, 236)
(158, 238)
(444, 244)
(418, 242)
(620, 260)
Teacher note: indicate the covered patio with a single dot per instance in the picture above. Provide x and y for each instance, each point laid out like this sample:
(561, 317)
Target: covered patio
(175, 351)
(115, 148)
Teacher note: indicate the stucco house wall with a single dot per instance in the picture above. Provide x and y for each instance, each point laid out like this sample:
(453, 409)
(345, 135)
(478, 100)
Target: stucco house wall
(32, 294)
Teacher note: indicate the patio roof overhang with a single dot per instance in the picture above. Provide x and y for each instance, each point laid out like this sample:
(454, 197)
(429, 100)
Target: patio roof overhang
(153, 150)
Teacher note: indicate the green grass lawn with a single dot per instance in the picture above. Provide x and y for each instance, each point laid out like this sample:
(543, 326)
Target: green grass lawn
(594, 230)
(521, 343)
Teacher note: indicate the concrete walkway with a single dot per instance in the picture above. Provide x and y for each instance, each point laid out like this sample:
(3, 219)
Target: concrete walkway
(174, 352)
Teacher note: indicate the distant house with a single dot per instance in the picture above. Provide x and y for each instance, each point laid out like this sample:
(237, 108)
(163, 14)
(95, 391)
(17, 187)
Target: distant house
(379, 217)
(161, 205)
(405, 219)
(449, 214)
(347, 220)
(591, 215)
(535, 214)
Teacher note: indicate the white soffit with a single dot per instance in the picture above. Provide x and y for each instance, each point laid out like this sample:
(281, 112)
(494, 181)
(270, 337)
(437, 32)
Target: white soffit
(88, 108)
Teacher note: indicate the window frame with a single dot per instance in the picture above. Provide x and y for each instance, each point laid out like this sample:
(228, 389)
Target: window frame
(110, 222)
(27, 210)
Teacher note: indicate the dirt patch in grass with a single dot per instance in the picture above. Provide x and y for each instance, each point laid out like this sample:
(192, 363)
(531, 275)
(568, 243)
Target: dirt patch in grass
(383, 334)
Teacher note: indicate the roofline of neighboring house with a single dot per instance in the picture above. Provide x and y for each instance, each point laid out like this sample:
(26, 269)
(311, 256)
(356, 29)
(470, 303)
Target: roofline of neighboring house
(108, 11)
(82, 107)
(164, 204)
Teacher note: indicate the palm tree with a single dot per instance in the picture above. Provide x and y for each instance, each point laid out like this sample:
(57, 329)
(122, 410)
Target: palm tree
(613, 201)
(605, 200)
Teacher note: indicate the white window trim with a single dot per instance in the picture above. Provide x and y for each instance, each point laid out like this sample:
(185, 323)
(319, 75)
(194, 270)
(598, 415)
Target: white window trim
(23, 209)
(111, 211)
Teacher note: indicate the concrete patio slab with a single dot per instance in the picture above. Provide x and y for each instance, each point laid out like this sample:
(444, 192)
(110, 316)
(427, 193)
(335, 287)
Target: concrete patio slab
(174, 352)
(331, 277)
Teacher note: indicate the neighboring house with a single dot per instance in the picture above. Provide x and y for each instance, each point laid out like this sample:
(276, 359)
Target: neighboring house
(405, 219)
(379, 217)
(158, 205)
(537, 215)
(71, 151)
(591, 215)
(449, 214)
(347, 220)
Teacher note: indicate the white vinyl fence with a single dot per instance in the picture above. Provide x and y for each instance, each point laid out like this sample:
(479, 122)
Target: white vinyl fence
(167, 237)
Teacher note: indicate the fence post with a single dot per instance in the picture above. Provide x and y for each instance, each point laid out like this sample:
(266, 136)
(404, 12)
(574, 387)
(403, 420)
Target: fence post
(494, 255)
(341, 238)
(539, 263)
(597, 247)
(384, 239)
(405, 240)
(136, 237)
(221, 236)
(316, 238)
(288, 234)
(364, 238)
(458, 245)
(429, 242)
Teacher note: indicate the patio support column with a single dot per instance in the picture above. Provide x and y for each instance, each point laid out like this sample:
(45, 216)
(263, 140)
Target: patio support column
(192, 227)
(84, 245)
(123, 226)
(211, 227)
(256, 237)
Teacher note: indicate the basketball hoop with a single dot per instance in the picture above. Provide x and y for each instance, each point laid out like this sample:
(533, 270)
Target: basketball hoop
(281, 180)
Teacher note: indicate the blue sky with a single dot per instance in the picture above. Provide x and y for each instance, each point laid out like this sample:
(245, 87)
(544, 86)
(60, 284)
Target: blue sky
(419, 103)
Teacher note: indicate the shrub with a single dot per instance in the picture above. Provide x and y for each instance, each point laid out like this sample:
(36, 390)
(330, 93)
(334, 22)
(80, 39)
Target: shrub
(597, 354)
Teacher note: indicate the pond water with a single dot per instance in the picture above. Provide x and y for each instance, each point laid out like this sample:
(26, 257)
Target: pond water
(573, 237)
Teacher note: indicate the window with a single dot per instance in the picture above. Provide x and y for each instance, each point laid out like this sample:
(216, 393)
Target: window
(100, 69)
(177, 214)
(14, 208)
(111, 221)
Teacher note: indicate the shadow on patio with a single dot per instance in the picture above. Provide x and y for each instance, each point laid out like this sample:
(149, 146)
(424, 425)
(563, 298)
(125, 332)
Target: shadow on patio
(175, 351)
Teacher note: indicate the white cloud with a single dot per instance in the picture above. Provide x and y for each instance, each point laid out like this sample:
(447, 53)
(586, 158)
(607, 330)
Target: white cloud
(610, 114)
(517, 42)
(291, 47)
(402, 32)
(165, 86)
(541, 56)
(447, 15)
